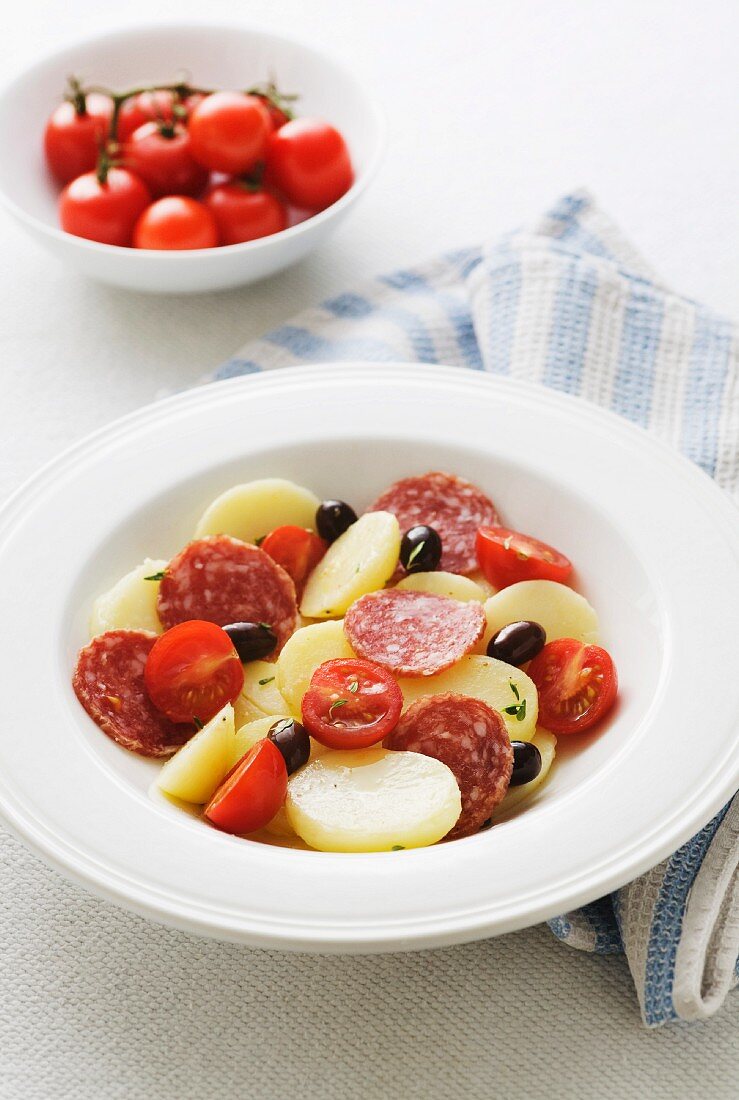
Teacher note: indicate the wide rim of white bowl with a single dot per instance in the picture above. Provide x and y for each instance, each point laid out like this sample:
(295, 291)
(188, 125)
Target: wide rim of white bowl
(193, 255)
(615, 826)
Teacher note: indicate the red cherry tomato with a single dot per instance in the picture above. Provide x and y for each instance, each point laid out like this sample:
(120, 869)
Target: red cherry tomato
(243, 214)
(229, 132)
(506, 557)
(351, 704)
(577, 685)
(160, 156)
(72, 139)
(158, 106)
(252, 792)
(105, 212)
(176, 222)
(278, 117)
(192, 671)
(308, 161)
(297, 550)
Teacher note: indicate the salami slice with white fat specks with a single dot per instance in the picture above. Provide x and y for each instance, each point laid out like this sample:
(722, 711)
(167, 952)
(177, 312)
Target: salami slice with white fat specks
(223, 580)
(455, 508)
(109, 682)
(470, 738)
(413, 633)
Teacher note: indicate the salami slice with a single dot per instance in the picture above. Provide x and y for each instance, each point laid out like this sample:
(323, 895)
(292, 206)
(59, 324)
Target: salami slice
(413, 633)
(470, 738)
(109, 682)
(223, 580)
(455, 508)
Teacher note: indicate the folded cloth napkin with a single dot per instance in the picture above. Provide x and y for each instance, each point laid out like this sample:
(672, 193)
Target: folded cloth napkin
(570, 304)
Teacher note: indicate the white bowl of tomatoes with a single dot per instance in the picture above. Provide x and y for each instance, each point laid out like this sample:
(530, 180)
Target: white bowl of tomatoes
(185, 158)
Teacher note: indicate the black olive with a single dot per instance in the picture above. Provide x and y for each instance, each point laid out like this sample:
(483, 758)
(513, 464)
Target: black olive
(333, 517)
(526, 762)
(420, 550)
(292, 741)
(517, 643)
(252, 641)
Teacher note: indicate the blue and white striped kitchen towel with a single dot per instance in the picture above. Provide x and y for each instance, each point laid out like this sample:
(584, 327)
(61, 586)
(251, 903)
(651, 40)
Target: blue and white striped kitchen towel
(571, 305)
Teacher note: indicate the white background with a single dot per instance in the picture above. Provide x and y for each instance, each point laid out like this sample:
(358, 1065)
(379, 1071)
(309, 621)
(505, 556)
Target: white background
(494, 109)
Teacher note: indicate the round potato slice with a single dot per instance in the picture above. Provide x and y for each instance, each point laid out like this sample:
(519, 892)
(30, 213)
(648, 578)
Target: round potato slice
(196, 770)
(372, 800)
(246, 737)
(250, 511)
(361, 560)
(562, 612)
(308, 648)
(131, 604)
(546, 743)
(445, 584)
(505, 688)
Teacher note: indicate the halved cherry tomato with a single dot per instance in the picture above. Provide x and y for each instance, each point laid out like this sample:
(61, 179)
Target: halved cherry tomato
(192, 671)
(75, 134)
(351, 703)
(105, 212)
(308, 161)
(577, 685)
(252, 792)
(507, 556)
(297, 550)
(176, 222)
(229, 131)
(160, 155)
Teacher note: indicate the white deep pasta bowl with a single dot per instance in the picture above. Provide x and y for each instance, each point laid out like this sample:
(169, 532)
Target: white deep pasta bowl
(217, 55)
(657, 551)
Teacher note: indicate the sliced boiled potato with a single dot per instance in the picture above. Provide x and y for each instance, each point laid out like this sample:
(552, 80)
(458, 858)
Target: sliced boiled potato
(496, 683)
(245, 711)
(562, 612)
(261, 688)
(131, 604)
(480, 579)
(372, 800)
(196, 770)
(308, 648)
(249, 512)
(546, 743)
(445, 584)
(361, 560)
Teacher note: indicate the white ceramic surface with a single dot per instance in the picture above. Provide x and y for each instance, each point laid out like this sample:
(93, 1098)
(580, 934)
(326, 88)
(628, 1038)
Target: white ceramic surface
(657, 548)
(213, 55)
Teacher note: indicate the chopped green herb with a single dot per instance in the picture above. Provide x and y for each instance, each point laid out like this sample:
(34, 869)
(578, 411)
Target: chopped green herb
(415, 552)
(354, 687)
(517, 709)
(514, 689)
(156, 576)
(198, 724)
(265, 625)
(266, 680)
(398, 848)
(336, 705)
(260, 540)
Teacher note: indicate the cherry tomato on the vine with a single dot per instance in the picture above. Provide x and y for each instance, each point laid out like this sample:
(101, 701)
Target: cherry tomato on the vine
(229, 131)
(308, 161)
(252, 792)
(577, 685)
(158, 106)
(351, 703)
(297, 550)
(176, 222)
(507, 556)
(244, 214)
(105, 212)
(160, 155)
(192, 671)
(73, 138)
